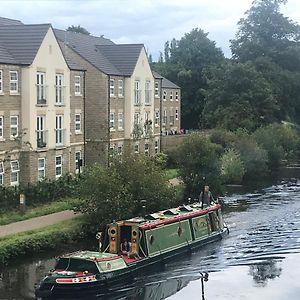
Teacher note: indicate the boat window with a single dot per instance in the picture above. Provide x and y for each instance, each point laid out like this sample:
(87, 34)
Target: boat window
(76, 265)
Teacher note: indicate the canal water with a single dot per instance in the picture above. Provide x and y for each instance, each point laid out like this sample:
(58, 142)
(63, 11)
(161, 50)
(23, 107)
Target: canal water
(260, 258)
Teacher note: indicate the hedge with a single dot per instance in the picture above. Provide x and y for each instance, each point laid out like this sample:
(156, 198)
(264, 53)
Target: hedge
(50, 238)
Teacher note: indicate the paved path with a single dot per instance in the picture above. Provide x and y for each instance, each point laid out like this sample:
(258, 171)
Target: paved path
(36, 223)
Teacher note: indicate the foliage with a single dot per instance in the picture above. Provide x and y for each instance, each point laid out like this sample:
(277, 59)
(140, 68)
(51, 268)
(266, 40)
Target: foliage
(265, 32)
(232, 167)
(199, 164)
(279, 140)
(184, 61)
(254, 158)
(120, 190)
(53, 237)
(37, 193)
(237, 96)
(222, 137)
(78, 29)
(161, 159)
(171, 173)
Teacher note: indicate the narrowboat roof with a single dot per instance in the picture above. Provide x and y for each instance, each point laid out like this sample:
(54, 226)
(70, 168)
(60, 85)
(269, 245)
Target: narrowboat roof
(170, 215)
(91, 255)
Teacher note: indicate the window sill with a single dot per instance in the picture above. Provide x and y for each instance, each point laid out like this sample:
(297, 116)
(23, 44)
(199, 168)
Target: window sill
(42, 149)
(13, 138)
(41, 105)
(2, 94)
(14, 93)
(156, 125)
(112, 96)
(78, 132)
(112, 130)
(78, 95)
(120, 129)
(121, 96)
(60, 104)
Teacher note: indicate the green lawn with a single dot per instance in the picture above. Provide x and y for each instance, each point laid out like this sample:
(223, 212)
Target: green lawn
(171, 173)
(42, 210)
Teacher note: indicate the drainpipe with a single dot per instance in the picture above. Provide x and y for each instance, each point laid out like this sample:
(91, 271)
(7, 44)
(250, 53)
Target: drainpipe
(160, 116)
(108, 119)
(84, 121)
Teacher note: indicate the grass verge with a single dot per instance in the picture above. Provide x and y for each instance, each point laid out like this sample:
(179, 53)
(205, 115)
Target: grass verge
(171, 173)
(42, 210)
(48, 238)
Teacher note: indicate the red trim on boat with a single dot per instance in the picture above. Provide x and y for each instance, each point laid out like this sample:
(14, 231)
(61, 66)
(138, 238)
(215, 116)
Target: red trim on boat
(180, 218)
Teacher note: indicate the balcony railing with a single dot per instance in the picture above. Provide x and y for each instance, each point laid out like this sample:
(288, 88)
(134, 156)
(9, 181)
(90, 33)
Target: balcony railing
(148, 94)
(60, 94)
(41, 139)
(41, 94)
(60, 137)
(137, 97)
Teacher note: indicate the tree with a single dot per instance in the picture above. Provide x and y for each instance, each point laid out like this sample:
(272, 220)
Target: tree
(198, 162)
(186, 60)
(265, 32)
(78, 29)
(237, 96)
(120, 190)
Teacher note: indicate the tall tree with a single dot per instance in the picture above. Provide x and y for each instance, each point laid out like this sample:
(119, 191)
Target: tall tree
(238, 96)
(266, 32)
(78, 29)
(188, 57)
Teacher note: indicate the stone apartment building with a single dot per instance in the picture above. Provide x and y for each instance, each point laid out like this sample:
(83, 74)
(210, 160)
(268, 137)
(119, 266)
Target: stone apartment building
(119, 95)
(41, 105)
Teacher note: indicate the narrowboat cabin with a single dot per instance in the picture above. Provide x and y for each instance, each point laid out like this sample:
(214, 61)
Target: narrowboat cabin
(154, 238)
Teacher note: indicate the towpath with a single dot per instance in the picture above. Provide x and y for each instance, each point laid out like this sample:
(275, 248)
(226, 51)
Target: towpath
(36, 223)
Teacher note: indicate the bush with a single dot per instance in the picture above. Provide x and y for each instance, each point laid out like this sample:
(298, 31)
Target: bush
(199, 164)
(49, 238)
(232, 167)
(161, 159)
(280, 141)
(222, 137)
(254, 158)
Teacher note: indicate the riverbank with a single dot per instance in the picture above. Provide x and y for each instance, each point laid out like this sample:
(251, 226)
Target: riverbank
(43, 239)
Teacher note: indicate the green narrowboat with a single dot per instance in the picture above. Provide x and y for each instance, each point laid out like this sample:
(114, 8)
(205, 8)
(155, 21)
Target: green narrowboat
(154, 238)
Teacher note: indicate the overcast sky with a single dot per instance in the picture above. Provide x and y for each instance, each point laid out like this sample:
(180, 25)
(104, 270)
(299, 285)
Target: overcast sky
(151, 22)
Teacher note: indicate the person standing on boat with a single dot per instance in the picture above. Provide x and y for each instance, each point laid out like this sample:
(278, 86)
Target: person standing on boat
(126, 247)
(206, 197)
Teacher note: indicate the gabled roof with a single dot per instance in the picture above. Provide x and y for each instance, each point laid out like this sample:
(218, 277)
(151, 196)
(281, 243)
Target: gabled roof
(21, 42)
(86, 47)
(123, 56)
(6, 21)
(165, 82)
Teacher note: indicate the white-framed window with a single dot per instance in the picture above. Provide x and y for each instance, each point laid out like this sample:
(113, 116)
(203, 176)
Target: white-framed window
(137, 93)
(136, 118)
(164, 95)
(156, 146)
(41, 138)
(14, 174)
(136, 148)
(165, 117)
(112, 87)
(78, 123)
(156, 89)
(1, 173)
(112, 121)
(14, 126)
(1, 127)
(171, 118)
(121, 88)
(147, 92)
(13, 83)
(41, 168)
(146, 149)
(59, 131)
(1, 81)
(78, 161)
(59, 89)
(41, 88)
(171, 96)
(176, 113)
(176, 96)
(156, 118)
(120, 121)
(77, 83)
(58, 166)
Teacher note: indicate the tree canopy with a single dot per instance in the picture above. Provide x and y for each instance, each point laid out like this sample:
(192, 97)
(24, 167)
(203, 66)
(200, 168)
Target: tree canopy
(78, 29)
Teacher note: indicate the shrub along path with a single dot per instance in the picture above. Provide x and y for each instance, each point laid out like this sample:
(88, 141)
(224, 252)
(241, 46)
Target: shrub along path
(36, 223)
